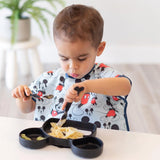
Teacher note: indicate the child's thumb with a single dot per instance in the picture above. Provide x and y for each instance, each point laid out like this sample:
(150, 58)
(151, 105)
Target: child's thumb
(64, 105)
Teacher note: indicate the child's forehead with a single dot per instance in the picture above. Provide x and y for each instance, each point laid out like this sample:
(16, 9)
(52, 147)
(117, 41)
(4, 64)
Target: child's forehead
(74, 49)
(73, 42)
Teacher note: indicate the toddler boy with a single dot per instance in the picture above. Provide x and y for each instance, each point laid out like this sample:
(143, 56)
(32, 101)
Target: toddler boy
(78, 31)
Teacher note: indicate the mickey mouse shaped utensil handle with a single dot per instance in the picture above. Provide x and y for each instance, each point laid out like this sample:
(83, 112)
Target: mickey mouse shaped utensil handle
(68, 105)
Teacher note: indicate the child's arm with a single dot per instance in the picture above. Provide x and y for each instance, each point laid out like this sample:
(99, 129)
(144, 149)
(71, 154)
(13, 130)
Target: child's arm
(23, 99)
(119, 86)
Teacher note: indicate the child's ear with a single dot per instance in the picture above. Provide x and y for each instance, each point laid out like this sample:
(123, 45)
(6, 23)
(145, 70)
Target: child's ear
(100, 48)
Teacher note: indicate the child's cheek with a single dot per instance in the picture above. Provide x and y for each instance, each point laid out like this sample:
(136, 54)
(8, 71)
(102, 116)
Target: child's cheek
(63, 66)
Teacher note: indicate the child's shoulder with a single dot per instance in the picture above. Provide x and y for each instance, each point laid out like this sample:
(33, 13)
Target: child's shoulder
(101, 66)
(104, 70)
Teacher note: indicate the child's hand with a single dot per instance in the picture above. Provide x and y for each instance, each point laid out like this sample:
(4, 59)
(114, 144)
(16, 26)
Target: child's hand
(72, 95)
(22, 92)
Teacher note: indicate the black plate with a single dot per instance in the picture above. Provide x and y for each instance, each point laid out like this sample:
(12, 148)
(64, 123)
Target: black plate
(88, 146)
(33, 134)
(69, 123)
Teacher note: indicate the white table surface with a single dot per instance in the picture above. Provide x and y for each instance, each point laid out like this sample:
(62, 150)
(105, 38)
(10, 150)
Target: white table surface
(118, 145)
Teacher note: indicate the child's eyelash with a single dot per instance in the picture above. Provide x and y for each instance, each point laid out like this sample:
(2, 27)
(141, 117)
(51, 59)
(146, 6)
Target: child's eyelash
(64, 59)
(82, 59)
(79, 59)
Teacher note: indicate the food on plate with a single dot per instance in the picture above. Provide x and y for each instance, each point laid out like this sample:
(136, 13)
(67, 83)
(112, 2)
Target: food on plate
(29, 139)
(64, 132)
(25, 137)
(39, 138)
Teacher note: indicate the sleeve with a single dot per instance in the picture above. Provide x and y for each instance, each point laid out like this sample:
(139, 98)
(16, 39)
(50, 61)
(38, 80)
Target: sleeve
(110, 72)
(126, 77)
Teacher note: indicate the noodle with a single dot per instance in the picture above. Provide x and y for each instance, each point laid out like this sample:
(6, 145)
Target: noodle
(64, 132)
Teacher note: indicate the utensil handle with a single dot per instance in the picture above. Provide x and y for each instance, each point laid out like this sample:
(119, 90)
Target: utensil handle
(79, 89)
(68, 105)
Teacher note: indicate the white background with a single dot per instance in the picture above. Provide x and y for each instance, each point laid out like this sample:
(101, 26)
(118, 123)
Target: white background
(132, 31)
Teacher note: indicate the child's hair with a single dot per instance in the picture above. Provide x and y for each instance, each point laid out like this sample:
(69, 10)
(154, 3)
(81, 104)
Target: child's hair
(79, 22)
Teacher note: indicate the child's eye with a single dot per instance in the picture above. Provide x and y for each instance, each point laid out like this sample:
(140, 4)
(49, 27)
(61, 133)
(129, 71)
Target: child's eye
(64, 59)
(81, 59)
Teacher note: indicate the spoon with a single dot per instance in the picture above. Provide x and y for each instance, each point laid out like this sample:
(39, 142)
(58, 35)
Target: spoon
(50, 96)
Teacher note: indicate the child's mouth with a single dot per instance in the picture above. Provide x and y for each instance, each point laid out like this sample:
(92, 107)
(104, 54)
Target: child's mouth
(74, 75)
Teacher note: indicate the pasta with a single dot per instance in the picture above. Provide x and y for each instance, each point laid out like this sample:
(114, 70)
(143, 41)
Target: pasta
(64, 132)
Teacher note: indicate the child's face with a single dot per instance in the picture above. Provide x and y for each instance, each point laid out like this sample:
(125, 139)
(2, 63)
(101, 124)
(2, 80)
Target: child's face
(76, 58)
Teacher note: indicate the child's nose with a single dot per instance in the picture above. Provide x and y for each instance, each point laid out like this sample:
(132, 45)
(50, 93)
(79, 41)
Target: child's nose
(73, 65)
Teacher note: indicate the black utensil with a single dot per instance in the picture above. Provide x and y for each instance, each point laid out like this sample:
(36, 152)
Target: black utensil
(68, 105)
(50, 96)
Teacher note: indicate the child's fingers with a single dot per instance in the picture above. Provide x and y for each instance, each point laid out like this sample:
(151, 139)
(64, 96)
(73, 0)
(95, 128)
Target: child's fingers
(68, 98)
(15, 93)
(72, 95)
(21, 92)
(27, 91)
(64, 105)
(72, 91)
(77, 99)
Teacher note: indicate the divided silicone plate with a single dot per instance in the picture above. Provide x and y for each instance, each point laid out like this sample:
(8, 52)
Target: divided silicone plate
(88, 147)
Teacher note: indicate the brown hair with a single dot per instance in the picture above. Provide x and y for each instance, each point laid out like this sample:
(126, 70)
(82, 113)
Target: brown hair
(79, 21)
